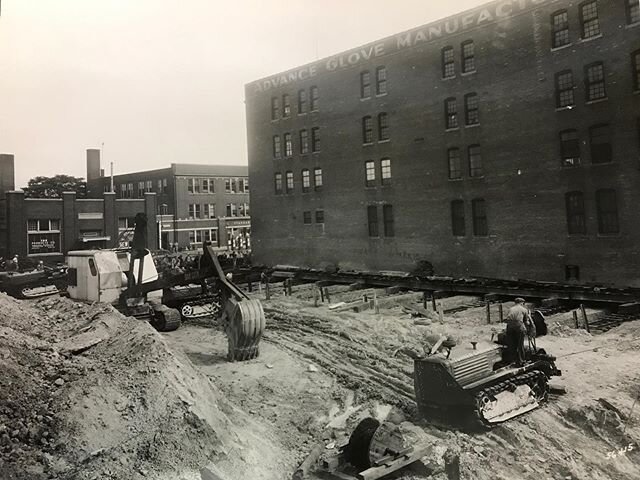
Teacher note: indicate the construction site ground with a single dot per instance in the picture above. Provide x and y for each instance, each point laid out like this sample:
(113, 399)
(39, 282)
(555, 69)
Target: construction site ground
(86, 393)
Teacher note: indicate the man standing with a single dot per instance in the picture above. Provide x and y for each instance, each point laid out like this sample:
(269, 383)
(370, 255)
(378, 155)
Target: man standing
(518, 320)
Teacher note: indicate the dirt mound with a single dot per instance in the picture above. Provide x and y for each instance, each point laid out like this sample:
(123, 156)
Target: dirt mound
(87, 393)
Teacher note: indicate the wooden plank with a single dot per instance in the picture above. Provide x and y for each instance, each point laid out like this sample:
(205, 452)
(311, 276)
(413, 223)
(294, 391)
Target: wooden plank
(379, 472)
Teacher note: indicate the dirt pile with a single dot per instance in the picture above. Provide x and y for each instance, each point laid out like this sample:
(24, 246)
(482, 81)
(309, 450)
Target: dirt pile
(90, 394)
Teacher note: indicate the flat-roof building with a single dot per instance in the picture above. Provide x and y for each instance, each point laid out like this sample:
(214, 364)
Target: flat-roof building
(503, 141)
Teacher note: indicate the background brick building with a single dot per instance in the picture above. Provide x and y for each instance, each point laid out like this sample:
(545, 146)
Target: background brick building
(502, 142)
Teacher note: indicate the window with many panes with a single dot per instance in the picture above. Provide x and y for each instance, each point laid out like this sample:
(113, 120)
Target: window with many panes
(370, 173)
(387, 220)
(385, 171)
(455, 166)
(472, 110)
(381, 80)
(317, 178)
(607, 207)
(207, 185)
(576, 219)
(448, 63)
(457, 218)
(304, 142)
(277, 149)
(570, 148)
(277, 179)
(560, 29)
(595, 81)
(232, 210)
(306, 217)
(194, 210)
(468, 57)
(633, 11)
(367, 129)
(288, 145)
(564, 89)
(302, 101)
(383, 127)
(314, 93)
(451, 112)
(365, 84)
(319, 216)
(275, 108)
(600, 141)
(286, 105)
(635, 61)
(475, 161)
(209, 210)
(479, 212)
(306, 180)
(315, 139)
(589, 19)
(372, 220)
(289, 184)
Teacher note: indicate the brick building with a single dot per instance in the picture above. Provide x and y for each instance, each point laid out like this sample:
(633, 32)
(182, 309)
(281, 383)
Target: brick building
(502, 142)
(195, 203)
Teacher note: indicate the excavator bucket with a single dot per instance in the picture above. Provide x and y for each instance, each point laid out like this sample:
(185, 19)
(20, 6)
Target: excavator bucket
(244, 329)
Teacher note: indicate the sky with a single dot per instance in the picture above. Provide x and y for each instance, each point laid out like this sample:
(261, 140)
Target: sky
(155, 82)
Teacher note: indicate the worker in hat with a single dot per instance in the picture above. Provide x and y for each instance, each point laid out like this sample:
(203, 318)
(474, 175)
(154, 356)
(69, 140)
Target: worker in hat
(518, 323)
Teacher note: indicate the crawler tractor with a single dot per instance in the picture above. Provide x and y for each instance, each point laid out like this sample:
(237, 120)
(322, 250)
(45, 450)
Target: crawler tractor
(128, 279)
(483, 381)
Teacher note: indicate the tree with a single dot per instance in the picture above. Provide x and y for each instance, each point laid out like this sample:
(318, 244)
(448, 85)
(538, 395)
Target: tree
(52, 187)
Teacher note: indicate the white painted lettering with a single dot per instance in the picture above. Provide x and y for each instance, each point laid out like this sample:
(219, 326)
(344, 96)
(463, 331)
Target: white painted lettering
(303, 74)
(379, 49)
(451, 26)
(313, 70)
(332, 64)
(485, 16)
(420, 37)
(504, 9)
(293, 76)
(353, 58)
(468, 20)
(403, 41)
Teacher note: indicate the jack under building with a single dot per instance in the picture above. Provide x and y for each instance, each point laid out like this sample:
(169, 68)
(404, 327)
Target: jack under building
(500, 142)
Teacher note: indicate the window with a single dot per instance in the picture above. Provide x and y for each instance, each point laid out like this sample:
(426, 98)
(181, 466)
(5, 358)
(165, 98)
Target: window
(194, 210)
(372, 220)
(209, 210)
(600, 140)
(306, 217)
(457, 218)
(607, 206)
(387, 220)
(289, 185)
(572, 272)
(277, 179)
(286, 106)
(589, 19)
(315, 98)
(232, 210)
(129, 190)
(275, 108)
(594, 79)
(635, 61)
(383, 127)
(633, 11)
(164, 209)
(140, 189)
(288, 145)
(202, 236)
(315, 139)
(479, 212)
(475, 161)
(149, 185)
(302, 101)
(227, 185)
(304, 142)
(246, 185)
(455, 165)
(564, 89)
(165, 188)
(207, 185)
(123, 191)
(193, 185)
(277, 150)
(576, 224)
(319, 216)
(367, 130)
(560, 29)
(381, 80)
(317, 178)
(448, 63)
(306, 180)
(472, 111)
(43, 236)
(125, 223)
(365, 84)
(385, 171)
(569, 148)
(370, 173)
(468, 57)
(451, 112)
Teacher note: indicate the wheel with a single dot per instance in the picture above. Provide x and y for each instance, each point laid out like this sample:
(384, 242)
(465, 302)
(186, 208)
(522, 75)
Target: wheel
(186, 310)
(166, 319)
(357, 453)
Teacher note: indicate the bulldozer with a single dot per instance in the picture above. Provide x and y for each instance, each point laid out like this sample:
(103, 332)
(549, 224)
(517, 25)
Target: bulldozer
(482, 383)
(128, 279)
